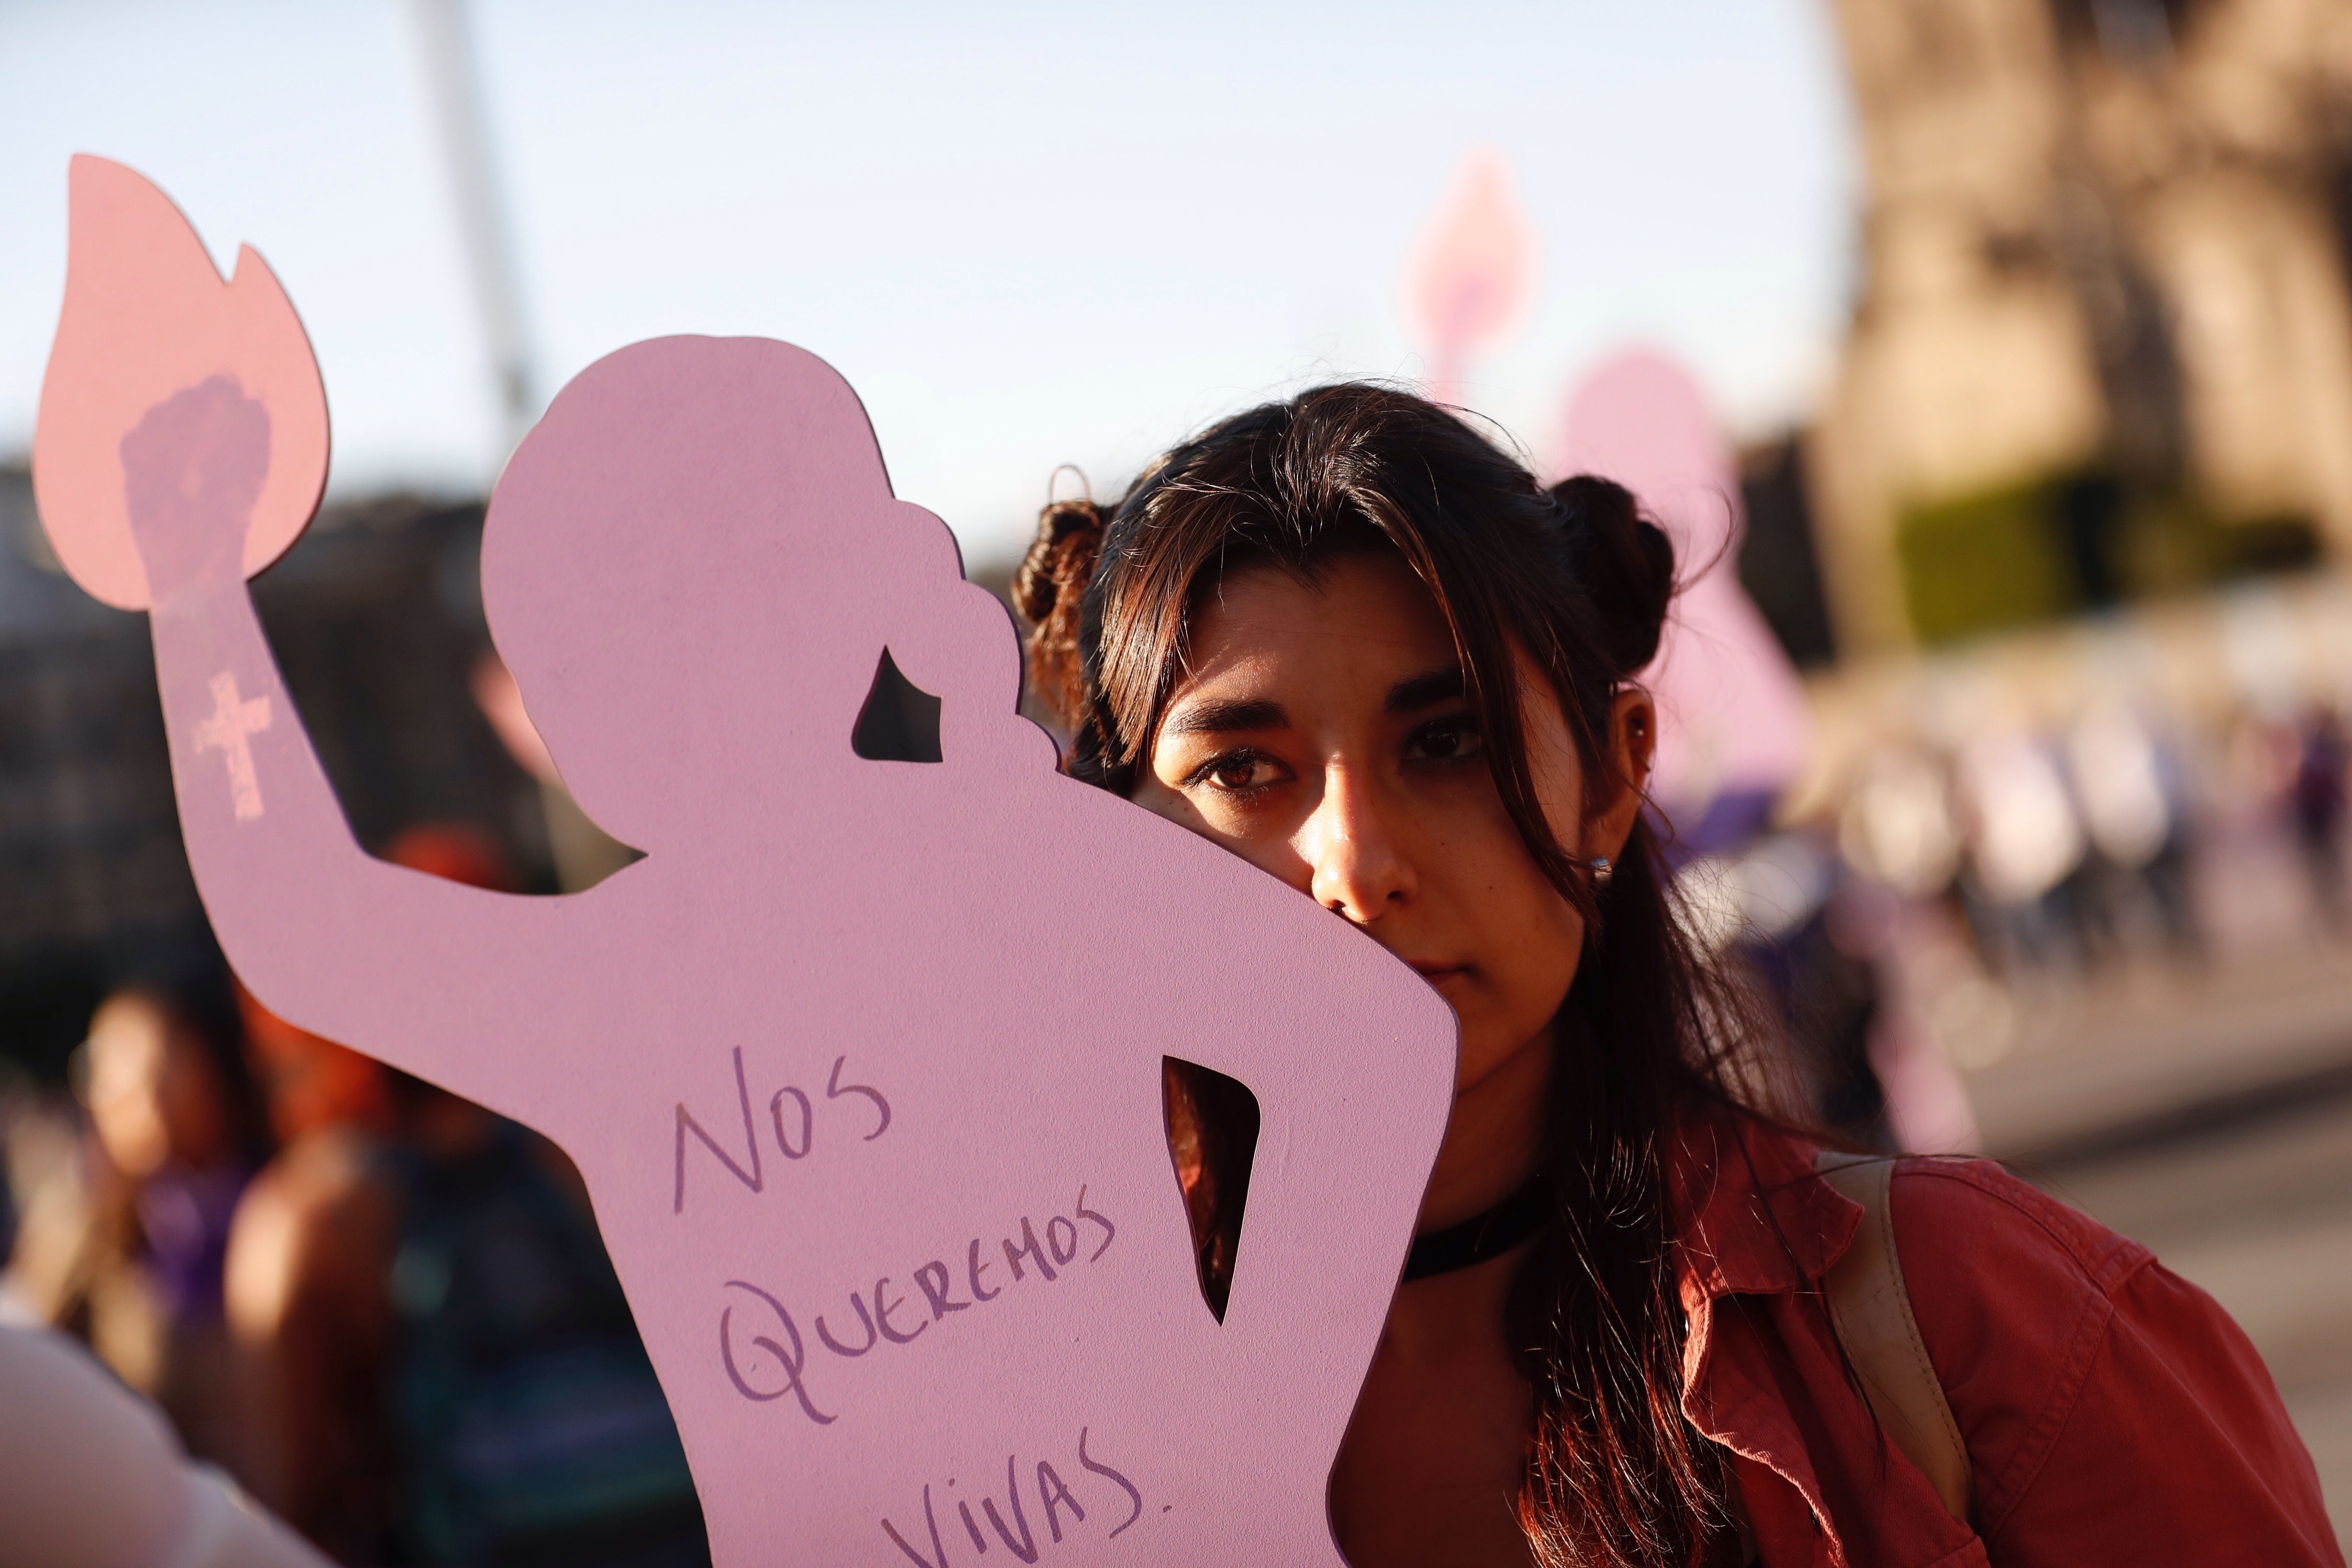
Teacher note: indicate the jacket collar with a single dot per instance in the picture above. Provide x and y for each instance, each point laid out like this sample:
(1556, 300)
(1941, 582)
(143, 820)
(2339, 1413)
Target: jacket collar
(1753, 1219)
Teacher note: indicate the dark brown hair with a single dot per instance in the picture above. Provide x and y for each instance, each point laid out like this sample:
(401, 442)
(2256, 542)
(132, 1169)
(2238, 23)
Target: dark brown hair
(1578, 579)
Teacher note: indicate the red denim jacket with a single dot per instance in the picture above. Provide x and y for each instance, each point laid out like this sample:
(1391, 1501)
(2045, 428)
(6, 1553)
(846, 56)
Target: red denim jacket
(2113, 1411)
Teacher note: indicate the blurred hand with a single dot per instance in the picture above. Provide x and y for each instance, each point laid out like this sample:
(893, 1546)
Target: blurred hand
(192, 471)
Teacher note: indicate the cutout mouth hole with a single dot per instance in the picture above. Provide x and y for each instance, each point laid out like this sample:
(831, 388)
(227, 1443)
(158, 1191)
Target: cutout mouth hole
(1212, 1126)
(900, 720)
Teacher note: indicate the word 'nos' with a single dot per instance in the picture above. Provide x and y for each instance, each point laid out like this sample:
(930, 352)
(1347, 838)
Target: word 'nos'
(795, 1134)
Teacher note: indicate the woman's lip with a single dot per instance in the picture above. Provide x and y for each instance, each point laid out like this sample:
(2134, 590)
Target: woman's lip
(1437, 971)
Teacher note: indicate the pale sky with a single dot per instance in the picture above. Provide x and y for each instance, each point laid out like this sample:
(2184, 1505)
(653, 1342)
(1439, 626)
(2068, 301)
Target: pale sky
(1028, 234)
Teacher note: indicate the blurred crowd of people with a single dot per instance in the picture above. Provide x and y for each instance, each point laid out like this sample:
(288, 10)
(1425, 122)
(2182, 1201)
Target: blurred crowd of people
(383, 1310)
(2068, 849)
(1996, 836)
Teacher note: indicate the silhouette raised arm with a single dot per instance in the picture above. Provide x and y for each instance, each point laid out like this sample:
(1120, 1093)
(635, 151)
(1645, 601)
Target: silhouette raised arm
(344, 944)
(182, 445)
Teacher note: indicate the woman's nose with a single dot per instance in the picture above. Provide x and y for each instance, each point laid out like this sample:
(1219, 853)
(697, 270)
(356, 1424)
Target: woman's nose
(1359, 871)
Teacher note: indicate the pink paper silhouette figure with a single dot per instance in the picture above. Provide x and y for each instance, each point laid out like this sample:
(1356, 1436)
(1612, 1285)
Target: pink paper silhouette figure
(862, 1062)
(1733, 719)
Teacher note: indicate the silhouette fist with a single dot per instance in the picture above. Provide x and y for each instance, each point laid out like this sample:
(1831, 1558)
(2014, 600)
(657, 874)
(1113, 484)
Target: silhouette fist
(192, 470)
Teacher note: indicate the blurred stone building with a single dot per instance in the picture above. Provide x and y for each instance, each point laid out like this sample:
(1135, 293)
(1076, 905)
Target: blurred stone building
(2102, 342)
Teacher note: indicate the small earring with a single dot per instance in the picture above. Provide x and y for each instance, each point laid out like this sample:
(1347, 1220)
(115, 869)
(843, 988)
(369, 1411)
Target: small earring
(1602, 871)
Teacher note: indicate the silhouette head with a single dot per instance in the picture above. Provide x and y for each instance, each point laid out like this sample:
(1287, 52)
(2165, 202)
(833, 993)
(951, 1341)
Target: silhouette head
(694, 564)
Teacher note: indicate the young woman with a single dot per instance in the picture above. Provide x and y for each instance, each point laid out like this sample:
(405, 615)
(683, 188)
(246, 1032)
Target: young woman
(1350, 641)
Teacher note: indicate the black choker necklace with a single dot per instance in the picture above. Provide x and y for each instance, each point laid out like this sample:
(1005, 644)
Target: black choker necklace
(1488, 1233)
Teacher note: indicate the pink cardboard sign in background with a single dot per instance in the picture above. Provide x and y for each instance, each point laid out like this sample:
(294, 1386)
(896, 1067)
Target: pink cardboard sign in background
(1733, 715)
(862, 1062)
(1472, 272)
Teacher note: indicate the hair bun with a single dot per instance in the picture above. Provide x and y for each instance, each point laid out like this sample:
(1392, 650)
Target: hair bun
(1627, 563)
(1060, 559)
(1048, 590)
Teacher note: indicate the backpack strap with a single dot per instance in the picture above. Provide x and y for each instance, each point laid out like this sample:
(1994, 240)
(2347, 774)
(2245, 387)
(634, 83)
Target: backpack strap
(1871, 1312)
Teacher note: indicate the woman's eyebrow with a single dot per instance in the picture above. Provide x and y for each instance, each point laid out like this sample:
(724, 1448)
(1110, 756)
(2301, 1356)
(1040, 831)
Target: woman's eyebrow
(1212, 718)
(1426, 689)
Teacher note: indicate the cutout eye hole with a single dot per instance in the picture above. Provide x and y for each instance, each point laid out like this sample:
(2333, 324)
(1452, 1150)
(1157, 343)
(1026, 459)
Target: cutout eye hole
(900, 720)
(1212, 1126)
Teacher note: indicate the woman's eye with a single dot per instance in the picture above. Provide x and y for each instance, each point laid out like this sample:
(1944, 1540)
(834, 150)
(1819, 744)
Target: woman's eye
(1444, 740)
(1238, 772)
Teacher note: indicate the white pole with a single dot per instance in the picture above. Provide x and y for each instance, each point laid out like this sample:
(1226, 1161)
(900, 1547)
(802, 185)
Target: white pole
(454, 83)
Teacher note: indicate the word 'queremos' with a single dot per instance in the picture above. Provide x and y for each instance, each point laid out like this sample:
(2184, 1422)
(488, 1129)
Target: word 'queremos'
(930, 1297)
(1056, 1500)
(795, 1130)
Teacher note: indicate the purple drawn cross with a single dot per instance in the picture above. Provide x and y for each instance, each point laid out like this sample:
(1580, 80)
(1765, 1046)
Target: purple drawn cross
(230, 729)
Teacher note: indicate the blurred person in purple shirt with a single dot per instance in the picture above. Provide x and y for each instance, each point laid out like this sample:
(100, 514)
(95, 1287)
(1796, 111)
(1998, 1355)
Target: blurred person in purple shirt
(136, 1267)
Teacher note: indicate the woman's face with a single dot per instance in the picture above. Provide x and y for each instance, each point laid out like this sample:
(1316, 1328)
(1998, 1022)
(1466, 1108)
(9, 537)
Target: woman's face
(1321, 732)
(154, 1094)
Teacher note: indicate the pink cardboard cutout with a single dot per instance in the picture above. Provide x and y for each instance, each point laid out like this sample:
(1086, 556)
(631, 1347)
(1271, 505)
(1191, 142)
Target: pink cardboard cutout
(1473, 271)
(862, 1062)
(1732, 712)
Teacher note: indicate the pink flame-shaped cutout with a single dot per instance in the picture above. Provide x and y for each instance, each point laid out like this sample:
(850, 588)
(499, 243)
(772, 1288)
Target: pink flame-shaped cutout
(147, 316)
(1473, 271)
